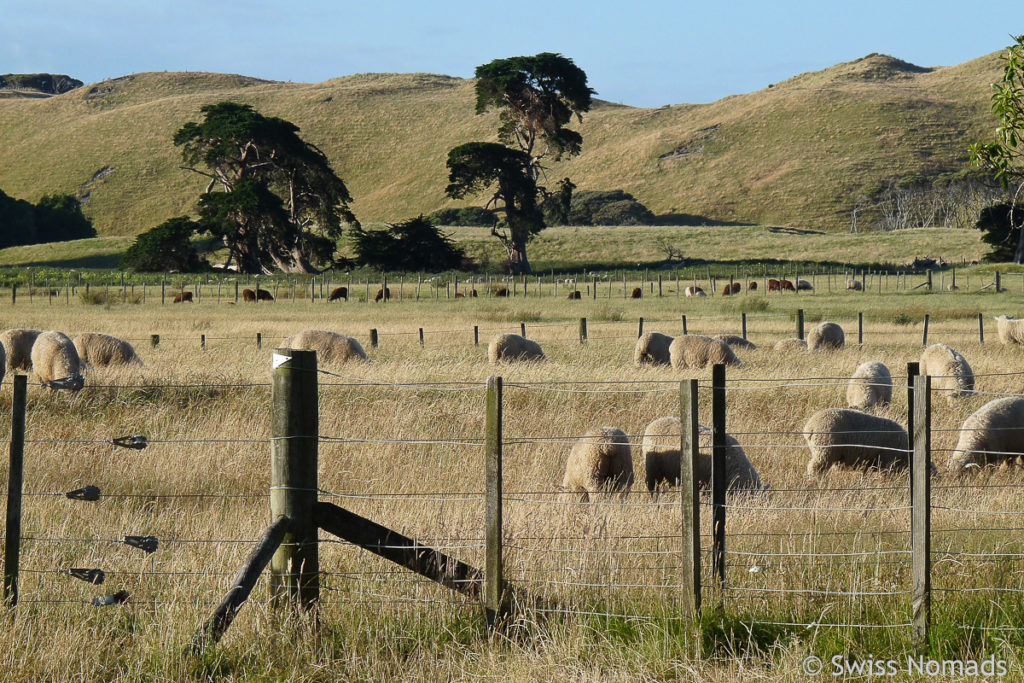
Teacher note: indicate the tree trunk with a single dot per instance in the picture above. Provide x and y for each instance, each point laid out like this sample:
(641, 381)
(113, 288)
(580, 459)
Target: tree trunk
(517, 260)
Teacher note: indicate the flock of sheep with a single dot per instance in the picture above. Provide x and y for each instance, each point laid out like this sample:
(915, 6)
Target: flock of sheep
(57, 361)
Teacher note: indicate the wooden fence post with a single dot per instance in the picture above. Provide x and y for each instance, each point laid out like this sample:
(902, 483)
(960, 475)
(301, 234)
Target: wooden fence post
(684, 325)
(14, 293)
(494, 599)
(924, 340)
(743, 323)
(583, 330)
(295, 567)
(921, 514)
(640, 329)
(860, 328)
(800, 323)
(373, 338)
(163, 290)
(522, 329)
(421, 337)
(476, 335)
(690, 498)
(154, 339)
(259, 336)
(15, 484)
(913, 371)
(981, 329)
(718, 473)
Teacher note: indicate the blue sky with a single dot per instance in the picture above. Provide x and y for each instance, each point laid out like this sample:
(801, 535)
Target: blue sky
(641, 52)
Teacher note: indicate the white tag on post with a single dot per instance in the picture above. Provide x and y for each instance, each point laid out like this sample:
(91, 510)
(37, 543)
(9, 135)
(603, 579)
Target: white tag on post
(279, 360)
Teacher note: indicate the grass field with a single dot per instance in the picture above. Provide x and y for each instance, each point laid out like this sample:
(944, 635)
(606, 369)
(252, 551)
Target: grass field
(201, 487)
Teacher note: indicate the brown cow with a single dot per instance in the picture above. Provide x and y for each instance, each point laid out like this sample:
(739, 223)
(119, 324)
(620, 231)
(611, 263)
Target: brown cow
(575, 295)
(752, 287)
(637, 293)
(736, 288)
(774, 286)
(502, 291)
(473, 294)
(339, 293)
(787, 285)
(182, 296)
(261, 294)
(248, 295)
(384, 293)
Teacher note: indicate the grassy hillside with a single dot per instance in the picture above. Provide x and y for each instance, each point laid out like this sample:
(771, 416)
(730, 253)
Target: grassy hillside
(795, 153)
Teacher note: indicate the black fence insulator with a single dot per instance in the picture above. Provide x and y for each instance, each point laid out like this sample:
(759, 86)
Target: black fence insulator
(137, 442)
(118, 598)
(147, 543)
(84, 493)
(68, 383)
(93, 576)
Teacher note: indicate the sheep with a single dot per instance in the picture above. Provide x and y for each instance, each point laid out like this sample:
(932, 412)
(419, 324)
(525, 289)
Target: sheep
(1010, 331)
(653, 348)
(513, 347)
(736, 341)
(697, 351)
(637, 293)
(855, 285)
(102, 349)
(791, 345)
(330, 347)
(854, 440)
(338, 293)
(18, 344)
(660, 449)
(825, 336)
(383, 293)
(870, 385)
(949, 370)
(600, 460)
(804, 286)
(694, 291)
(994, 434)
(55, 361)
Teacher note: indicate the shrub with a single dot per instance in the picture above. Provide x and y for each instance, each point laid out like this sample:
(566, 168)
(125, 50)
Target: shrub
(472, 216)
(166, 247)
(411, 245)
(608, 207)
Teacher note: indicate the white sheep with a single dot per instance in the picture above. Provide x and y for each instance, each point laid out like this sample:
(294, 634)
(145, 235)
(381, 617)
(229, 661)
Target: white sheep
(870, 385)
(992, 435)
(600, 460)
(693, 290)
(951, 374)
(1010, 331)
(660, 449)
(825, 336)
(513, 347)
(97, 349)
(791, 345)
(854, 440)
(55, 361)
(330, 347)
(652, 348)
(697, 351)
(18, 343)
(855, 285)
(736, 342)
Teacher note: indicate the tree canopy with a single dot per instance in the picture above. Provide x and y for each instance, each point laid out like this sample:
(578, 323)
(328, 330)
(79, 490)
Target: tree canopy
(1004, 155)
(56, 218)
(537, 97)
(272, 198)
(411, 245)
(166, 247)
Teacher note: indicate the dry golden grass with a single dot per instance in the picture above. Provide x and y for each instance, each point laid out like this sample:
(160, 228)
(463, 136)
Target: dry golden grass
(202, 484)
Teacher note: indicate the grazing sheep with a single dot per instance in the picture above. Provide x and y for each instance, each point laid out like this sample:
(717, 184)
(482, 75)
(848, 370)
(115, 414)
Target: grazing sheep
(854, 440)
(383, 293)
(55, 361)
(870, 385)
(752, 287)
(951, 374)
(660, 448)
(791, 345)
(637, 293)
(513, 347)
(694, 291)
(804, 286)
(574, 295)
(182, 296)
(330, 347)
(993, 435)
(1010, 331)
(338, 293)
(652, 348)
(502, 291)
(825, 336)
(599, 461)
(697, 351)
(855, 285)
(736, 341)
(18, 344)
(102, 349)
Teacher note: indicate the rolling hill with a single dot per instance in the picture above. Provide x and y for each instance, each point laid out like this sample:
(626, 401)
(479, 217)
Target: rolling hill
(796, 153)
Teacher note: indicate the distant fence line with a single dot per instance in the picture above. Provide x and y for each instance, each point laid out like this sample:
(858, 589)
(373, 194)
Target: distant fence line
(126, 287)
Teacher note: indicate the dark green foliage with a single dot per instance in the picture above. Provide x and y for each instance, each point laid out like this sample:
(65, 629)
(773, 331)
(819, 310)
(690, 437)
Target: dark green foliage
(473, 216)
(17, 221)
(240, 146)
(557, 205)
(608, 207)
(59, 218)
(412, 245)
(166, 247)
(1002, 228)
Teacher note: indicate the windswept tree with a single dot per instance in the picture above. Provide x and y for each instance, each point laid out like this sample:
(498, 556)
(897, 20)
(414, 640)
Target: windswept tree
(272, 198)
(536, 97)
(1004, 155)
